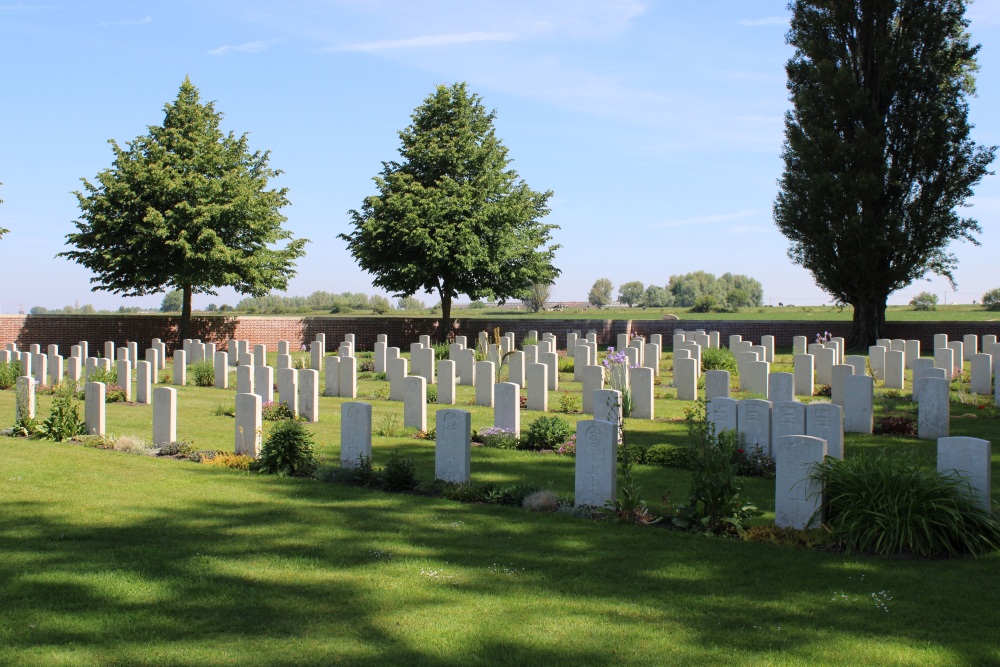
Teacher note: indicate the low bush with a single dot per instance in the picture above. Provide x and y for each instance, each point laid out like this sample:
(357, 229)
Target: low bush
(991, 300)
(64, 420)
(174, 449)
(273, 411)
(441, 351)
(569, 403)
(108, 377)
(203, 373)
(886, 503)
(705, 304)
(498, 438)
(288, 450)
(388, 426)
(541, 501)
(897, 426)
(432, 393)
(400, 472)
(225, 410)
(669, 456)
(227, 460)
(718, 359)
(546, 433)
(9, 372)
(755, 462)
(924, 301)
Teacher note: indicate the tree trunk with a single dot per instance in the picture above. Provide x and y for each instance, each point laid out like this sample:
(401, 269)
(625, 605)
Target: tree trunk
(185, 312)
(445, 315)
(869, 323)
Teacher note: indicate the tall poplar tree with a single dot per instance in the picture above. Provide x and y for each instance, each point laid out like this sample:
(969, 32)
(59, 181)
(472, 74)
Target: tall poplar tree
(877, 151)
(450, 217)
(185, 207)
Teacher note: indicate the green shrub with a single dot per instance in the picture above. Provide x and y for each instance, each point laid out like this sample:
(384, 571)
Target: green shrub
(432, 393)
(399, 473)
(569, 402)
(528, 341)
(715, 504)
(203, 373)
(440, 351)
(64, 420)
(365, 473)
(512, 496)
(288, 450)
(9, 372)
(388, 426)
(668, 456)
(705, 304)
(273, 411)
(546, 433)
(991, 300)
(924, 301)
(718, 359)
(886, 503)
(224, 410)
(108, 377)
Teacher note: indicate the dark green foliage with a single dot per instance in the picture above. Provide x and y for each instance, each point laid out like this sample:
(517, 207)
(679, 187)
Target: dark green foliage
(185, 207)
(64, 420)
(878, 156)
(887, 503)
(546, 433)
(273, 411)
(668, 456)
(441, 351)
(569, 402)
(432, 393)
(203, 373)
(631, 293)
(399, 473)
(365, 473)
(450, 217)
(288, 450)
(718, 359)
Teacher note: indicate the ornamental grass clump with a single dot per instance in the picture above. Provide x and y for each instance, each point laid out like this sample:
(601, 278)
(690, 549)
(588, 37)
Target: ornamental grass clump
(718, 359)
(616, 367)
(203, 373)
(288, 450)
(886, 503)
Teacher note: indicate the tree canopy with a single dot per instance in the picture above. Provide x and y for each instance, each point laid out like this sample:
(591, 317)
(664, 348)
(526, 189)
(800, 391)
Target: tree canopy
(877, 151)
(600, 293)
(185, 207)
(450, 217)
(631, 293)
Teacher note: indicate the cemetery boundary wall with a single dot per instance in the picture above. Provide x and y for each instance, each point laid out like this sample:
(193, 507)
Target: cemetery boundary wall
(68, 330)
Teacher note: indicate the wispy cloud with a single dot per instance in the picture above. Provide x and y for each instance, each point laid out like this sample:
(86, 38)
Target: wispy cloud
(246, 47)
(706, 219)
(767, 20)
(143, 21)
(425, 41)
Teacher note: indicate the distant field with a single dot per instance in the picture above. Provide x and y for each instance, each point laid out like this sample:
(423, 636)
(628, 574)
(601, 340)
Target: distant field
(965, 313)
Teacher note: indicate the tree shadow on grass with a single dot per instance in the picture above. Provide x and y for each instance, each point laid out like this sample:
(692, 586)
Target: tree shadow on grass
(302, 574)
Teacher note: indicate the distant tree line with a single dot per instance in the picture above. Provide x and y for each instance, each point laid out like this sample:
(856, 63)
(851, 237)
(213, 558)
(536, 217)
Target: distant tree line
(697, 289)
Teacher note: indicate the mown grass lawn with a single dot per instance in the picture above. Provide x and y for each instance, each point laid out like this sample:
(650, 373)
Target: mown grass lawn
(110, 558)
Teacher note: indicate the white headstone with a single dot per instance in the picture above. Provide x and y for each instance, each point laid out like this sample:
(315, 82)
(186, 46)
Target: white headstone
(124, 369)
(970, 458)
(467, 368)
(970, 346)
(452, 447)
(596, 463)
(415, 402)
(838, 384)
(780, 387)
(164, 415)
(982, 374)
(717, 384)
(641, 387)
(331, 386)
(800, 344)
(422, 361)
(722, 414)
(797, 496)
(787, 418)
(94, 407)
(538, 388)
(507, 406)
(895, 364)
(593, 380)
(380, 357)
(249, 425)
(933, 418)
(756, 375)
(348, 371)
(944, 357)
(288, 388)
(24, 399)
(551, 359)
(397, 372)
(803, 366)
(754, 422)
(355, 433)
(222, 370)
(446, 382)
(858, 397)
(911, 352)
(143, 382)
(515, 366)
(686, 379)
(485, 379)
(263, 383)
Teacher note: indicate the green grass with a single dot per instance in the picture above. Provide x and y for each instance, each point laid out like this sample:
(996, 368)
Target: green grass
(110, 558)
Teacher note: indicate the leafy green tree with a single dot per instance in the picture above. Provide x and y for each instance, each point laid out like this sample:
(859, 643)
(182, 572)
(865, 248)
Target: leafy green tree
(600, 293)
(173, 301)
(686, 289)
(185, 207)
(877, 150)
(657, 297)
(450, 217)
(738, 298)
(411, 303)
(924, 301)
(751, 288)
(537, 296)
(379, 304)
(631, 293)
(991, 299)
(38, 310)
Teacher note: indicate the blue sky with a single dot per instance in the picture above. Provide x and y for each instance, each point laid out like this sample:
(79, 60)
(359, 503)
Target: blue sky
(658, 125)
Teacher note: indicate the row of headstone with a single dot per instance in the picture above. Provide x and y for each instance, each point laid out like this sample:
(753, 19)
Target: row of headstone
(762, 423)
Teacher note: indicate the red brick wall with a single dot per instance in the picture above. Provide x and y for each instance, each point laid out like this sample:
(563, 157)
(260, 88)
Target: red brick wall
(68, 330)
